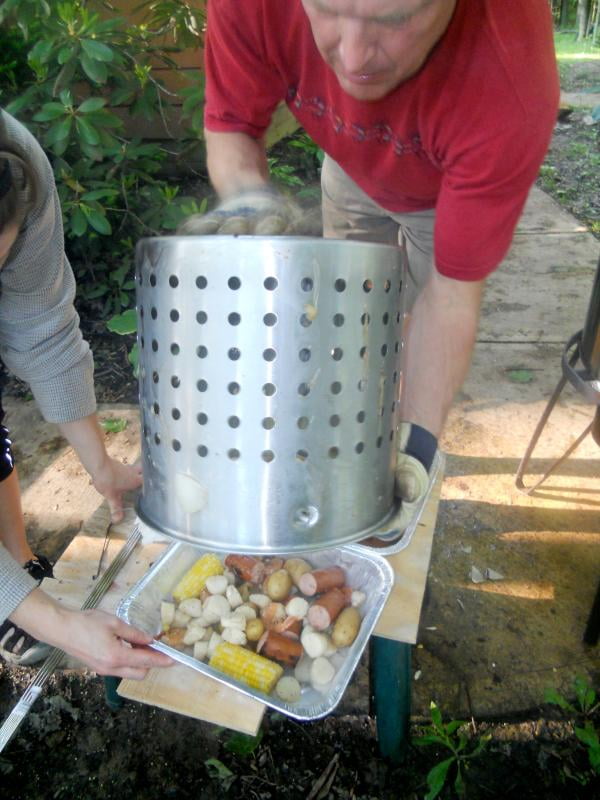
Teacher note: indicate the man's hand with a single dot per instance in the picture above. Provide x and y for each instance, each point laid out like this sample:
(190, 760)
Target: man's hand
(261, 211)
(416, 451)
(114, 478)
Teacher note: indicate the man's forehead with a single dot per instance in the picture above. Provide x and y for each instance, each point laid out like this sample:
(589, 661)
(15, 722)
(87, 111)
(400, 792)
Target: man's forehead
(371, 9)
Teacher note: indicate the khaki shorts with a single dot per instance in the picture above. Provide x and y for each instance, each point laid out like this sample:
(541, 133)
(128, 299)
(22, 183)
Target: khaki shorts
(349, 213)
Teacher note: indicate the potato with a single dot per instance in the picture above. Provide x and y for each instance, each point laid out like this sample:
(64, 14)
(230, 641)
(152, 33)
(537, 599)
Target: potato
(279, 584)
(346, 627)
(254, 629)
(192, 606)
(297, 607)
(217, 584)
(296, 568)
(260, 600)
(235, 636)
(246, 610)
(200, 650)
(180, 619)
(167, 615)
(215, 607)
(194, 634)
(321, 673)
(314, 643)
(233, 596)
(288, 689)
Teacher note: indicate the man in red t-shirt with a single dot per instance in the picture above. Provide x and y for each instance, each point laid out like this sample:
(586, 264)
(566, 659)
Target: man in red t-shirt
(434, 115)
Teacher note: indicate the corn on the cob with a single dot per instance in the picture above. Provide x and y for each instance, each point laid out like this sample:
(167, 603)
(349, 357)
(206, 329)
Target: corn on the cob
(194, 579)
(246, 666)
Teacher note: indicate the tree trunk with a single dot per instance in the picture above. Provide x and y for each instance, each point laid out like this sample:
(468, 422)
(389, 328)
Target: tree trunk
(582, 18)
(564, 13)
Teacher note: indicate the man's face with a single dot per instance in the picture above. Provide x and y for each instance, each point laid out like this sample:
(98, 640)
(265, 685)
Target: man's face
(374, 45)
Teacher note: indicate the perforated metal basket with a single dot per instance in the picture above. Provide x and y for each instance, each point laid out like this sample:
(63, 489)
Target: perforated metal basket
(269, 371)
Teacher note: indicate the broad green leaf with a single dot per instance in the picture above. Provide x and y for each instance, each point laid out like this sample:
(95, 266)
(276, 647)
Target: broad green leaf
(459, 783)
(59, 131)
(113, 425)
(40, 52)
(97, 220)
(124, 323)
(437, 777)
(78, 222)
(436, 715)
(99, 194)
(95, 70)
(87, 132)
(594, 757)
(243, 745)
(424, 741)
(454, 725)
(97, 50)
(133, 358)
(519, 375)
(66, 53)
(98, 291)
(49, 112)
(588, 735)
(91, 104)
(552, 696)
(217, 769)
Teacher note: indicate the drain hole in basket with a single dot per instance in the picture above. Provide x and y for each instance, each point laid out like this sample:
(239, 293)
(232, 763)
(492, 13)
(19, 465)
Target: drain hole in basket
(395, 377)
(270, 319)
(387, 285)
(269, 389)
(305, 321)
(379, 441)
(155, 377)
(201, 351)
(267, 455)
(156, 438)
(233, 422)
(301, 455)
(156, 408)
(333, 452)
(175, 349)
(304, 354)
(384, 349)
(270, 284)
(306, 284)
(360, 417)
(153, 313)
(392, 435)
(201, 282)
(268, 423)
(174, 315)
(337, 353)
(397, 347)
(152, 279)
(365, 319)
(201, 317)
(234, 283)
(362, 384)
(336, 387)
(154, 345)
(176, 413)
(202, 418)
(233, 388)
(359, 447)
(368, 285)
(175, 382)
(386, 318)
(340, 285)
(334, 420)
(173, 281)
(302, 423)
(234, 353)
(304, 389)
(233, 454)
(202, 385)
(269, 354)
(176, 445)
(234, 318)
(305, 517)
(202, 450)
(338, 320)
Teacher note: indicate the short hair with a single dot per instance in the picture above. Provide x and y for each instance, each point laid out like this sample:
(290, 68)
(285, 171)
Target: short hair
(19, 184)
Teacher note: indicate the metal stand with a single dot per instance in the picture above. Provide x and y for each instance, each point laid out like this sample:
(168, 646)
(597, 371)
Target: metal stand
(583, 347)
(390, 673)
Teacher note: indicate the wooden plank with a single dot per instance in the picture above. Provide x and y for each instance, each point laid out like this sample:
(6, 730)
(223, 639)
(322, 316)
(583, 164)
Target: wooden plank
(178, 688)
(399, 619)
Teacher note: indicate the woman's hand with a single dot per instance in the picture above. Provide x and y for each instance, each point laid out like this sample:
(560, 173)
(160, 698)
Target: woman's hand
(114, 478)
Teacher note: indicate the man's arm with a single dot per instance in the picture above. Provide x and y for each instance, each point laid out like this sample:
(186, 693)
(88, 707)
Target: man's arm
(439, 343)
(236, 162)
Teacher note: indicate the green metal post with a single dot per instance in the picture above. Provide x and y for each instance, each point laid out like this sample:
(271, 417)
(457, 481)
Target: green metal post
(390, 674)
(114, 701)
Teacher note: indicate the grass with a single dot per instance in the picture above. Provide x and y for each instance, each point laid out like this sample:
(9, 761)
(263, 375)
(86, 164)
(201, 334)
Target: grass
(567, 49)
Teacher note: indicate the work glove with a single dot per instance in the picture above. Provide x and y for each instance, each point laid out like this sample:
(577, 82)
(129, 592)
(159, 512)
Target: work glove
(260, 211)
(416, 452)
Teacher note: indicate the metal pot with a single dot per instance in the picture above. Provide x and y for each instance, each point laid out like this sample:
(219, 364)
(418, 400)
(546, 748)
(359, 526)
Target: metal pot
(269, 373)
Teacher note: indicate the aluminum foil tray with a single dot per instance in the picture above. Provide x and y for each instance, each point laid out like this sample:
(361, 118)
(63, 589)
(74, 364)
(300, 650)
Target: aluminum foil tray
(406, 538)
(366, 571)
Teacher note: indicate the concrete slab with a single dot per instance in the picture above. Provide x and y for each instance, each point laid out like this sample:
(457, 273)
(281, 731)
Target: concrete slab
(542, 214)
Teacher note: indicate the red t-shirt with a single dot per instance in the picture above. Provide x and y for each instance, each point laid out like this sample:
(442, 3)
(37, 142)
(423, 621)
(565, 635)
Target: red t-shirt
(466, 134)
